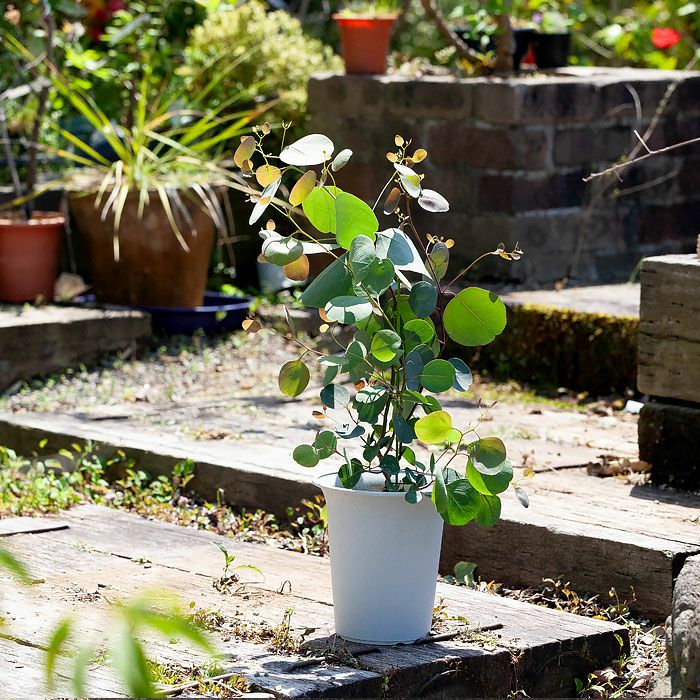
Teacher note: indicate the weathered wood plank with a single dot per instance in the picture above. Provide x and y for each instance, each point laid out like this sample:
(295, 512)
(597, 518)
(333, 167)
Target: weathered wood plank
(646, 532)
(669, 335)
(25, 525)
(551, 647)
(44, 340)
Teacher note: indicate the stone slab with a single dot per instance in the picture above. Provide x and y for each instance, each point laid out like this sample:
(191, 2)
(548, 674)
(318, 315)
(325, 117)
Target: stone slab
(597, 533)
(40, 340)
(99, 560)
(609, 299)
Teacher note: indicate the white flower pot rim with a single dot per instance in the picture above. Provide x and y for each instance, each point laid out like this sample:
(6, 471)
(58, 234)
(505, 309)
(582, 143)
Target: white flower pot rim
(327, 481)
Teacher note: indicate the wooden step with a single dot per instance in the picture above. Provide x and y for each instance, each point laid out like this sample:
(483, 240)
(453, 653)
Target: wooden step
(106, 555)
(40, 340)
(598, 534)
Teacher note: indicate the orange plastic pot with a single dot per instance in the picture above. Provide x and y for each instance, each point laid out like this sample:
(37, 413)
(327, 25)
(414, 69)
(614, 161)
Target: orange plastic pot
(365, 42)
(29, 252)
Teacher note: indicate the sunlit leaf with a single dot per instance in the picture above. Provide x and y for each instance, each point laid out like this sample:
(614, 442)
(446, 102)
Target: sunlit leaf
(267, 174)
(244, 151)
(298, 270)
(433, 201)
(302, 188)
(392, 200)
(265, 198)
(341, 160)
(410, 180)
(313, 149)
(293, 378)
(474, 317)
(434, 428)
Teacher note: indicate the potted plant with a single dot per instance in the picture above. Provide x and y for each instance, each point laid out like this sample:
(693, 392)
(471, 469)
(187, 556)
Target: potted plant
(148, 216)
(30, 240)
(402, 465)
(553, 40)
(365, 32)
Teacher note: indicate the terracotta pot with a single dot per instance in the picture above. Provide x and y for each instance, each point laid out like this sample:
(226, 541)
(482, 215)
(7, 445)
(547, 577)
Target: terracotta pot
(153, 268)
(365, 42)
(29, 253)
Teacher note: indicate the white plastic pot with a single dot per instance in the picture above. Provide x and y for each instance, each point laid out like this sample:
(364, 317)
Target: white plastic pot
(384, 561)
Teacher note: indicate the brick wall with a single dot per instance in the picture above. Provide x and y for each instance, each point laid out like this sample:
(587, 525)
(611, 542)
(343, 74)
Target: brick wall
(510, 156)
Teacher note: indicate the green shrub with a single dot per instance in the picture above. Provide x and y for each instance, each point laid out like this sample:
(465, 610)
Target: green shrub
(552, 347)
(274, 58)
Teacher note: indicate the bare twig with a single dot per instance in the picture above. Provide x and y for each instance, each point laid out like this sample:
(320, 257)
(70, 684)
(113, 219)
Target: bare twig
(614, 169)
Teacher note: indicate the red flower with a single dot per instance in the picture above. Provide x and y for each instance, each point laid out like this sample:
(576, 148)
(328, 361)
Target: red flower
(664, 37)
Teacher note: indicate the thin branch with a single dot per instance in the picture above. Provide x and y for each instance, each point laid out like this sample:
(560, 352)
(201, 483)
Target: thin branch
(659, 151)
(437, 18)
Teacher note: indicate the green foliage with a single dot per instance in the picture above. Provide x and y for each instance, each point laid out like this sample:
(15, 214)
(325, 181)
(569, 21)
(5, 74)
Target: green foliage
(552, 348)
(389, 292)
(126, 652)
(274, 57)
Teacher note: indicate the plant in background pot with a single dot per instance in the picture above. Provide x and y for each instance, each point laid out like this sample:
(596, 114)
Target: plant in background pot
(149, 209)
(405, 465)
(30, 241)
(552, 43)
(365, 32)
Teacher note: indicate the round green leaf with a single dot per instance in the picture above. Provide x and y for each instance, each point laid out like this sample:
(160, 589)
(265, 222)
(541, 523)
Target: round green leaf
(282, 251)
(361, 256)
(319, 207)
(293, 378)
(489, 510)
(380, 276)
(305, 455)
(403, 430)
(353, 218)
(455, 499)
(463, 375)
(487, 484)
(422, 299)
(386, 346)
(348, 309)
(439, 259)
(474, 317)
(390, 465)
(334, 281)
(434, 428)
(313, 149)
(325, 444)
(335, 396)
(488, 455)
(437, 376)
(418, 332)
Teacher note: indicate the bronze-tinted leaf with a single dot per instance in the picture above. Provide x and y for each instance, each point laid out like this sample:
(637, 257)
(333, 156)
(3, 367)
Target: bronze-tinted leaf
(244, 151)
(303, 187)
(419, 155)
(298, 270)
(251, 325)
(267, 174)
(392, 200)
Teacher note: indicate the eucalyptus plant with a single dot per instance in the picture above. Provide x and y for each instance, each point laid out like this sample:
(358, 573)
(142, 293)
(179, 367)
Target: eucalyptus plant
(389, 288)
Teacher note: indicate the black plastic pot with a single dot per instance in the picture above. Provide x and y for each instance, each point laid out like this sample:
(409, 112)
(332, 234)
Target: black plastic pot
(474, 43)
(522, 37)
(552, 50)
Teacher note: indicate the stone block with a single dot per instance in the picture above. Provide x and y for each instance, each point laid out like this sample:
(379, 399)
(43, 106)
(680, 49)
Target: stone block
(668, 441)
(431, 95)
(676, 221)
(523, 191)
(684, 642)
(471, 146)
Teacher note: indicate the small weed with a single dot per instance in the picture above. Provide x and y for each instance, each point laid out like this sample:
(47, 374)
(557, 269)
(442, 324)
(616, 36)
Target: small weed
(229, 575)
